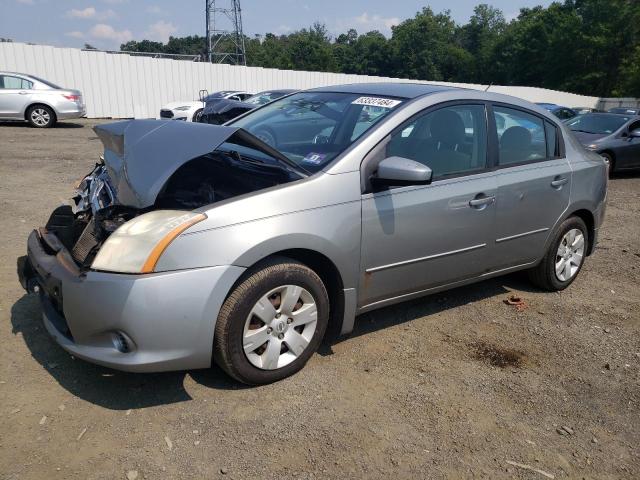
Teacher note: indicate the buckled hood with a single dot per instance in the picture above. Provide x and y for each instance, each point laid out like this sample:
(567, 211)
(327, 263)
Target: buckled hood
(141, 155)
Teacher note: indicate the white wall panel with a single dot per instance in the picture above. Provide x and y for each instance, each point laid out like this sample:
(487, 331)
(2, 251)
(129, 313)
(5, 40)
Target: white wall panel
(124, 86)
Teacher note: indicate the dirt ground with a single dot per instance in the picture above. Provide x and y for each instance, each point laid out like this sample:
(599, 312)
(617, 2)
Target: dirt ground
(456, 385)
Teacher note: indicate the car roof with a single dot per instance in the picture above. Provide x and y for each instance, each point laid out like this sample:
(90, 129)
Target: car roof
(391, 89)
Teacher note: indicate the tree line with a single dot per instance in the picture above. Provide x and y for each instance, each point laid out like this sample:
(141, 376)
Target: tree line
(590, 47)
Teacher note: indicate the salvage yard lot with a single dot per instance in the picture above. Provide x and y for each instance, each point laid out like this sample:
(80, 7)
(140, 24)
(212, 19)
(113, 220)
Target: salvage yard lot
(458, 384)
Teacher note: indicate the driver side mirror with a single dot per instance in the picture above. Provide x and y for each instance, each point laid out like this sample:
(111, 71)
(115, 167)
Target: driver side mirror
(634, 133)
(399, 171)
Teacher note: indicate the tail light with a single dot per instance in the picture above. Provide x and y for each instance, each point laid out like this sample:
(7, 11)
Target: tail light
(73, 98)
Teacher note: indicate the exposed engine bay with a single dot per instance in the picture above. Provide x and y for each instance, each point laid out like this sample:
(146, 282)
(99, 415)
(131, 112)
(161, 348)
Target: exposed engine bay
(96, 211)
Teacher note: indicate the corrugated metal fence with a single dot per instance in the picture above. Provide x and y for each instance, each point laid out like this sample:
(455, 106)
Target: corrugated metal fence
(125, 86)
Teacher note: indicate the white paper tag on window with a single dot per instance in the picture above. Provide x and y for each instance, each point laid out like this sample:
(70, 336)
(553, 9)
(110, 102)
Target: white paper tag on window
(376, 102)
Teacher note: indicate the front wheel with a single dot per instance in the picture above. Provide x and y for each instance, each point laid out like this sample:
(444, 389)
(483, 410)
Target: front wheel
(608, 160)
(197, 116)
(271, 323)
(565, 257)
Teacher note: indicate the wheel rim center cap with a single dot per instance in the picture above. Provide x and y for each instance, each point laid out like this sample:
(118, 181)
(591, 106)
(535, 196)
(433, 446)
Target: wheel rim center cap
(280, 326)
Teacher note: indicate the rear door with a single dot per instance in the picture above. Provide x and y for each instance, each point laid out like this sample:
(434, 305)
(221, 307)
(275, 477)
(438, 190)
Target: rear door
(534, 183)
(15, 93)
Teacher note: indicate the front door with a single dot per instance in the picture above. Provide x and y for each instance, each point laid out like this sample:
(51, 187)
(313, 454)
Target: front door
(628, 152)
(418, 237)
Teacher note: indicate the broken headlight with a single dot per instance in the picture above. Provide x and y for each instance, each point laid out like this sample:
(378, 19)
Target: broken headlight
(136, 246)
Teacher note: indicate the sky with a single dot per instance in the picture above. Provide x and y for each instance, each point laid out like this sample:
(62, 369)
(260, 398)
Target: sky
(106, 24)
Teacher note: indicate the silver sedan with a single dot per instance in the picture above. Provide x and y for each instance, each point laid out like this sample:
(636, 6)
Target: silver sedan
(246, 244)
(37, 101)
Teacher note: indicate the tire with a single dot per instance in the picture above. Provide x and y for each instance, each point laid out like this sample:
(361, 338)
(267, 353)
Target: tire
(608, 159)
(272, 356)
(41, 116)
(197, 115)
(544, 275)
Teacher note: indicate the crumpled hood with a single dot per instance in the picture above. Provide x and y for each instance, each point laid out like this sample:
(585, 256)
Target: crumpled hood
(141, 155)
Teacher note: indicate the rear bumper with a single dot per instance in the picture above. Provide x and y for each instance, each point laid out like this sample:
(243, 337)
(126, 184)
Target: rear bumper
(166, 320)
(71, 111)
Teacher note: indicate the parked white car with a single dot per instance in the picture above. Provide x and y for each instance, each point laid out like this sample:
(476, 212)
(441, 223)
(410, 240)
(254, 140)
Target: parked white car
(37, 101)
(190, 111)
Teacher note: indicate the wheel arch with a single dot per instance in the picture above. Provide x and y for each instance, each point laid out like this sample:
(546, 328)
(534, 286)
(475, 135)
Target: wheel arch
(325, 268)
(39, 103)
(588, 218)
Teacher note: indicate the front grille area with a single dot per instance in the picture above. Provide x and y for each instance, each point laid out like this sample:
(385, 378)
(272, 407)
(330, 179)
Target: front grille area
(166, 113)
(85, 244)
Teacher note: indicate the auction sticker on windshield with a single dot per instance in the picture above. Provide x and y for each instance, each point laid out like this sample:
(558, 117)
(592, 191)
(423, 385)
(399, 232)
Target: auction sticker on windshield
(376, 102)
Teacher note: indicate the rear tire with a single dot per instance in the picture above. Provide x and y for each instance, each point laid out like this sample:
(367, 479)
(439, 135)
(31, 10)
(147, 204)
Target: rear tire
(564, 258)
(41, 116)
(259, 338)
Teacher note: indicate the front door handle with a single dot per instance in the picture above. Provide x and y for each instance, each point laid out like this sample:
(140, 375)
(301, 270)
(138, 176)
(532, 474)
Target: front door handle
(558, 182)
(22, 93)
(481, 201)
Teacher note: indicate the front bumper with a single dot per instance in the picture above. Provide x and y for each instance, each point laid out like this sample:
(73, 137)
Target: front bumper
(166, 320)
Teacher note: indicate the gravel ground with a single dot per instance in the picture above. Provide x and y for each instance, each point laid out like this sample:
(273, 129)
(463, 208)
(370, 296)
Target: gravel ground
(455, 385)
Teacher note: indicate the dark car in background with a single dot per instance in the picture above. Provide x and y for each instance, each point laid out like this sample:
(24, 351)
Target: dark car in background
(583, 110)
(563, 113)
(614, 136)
(625, 110)
(222, 111)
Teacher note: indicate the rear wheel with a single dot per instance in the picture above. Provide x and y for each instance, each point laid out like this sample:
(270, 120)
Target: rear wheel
(41, 116)
(565, 257)
(271, 323)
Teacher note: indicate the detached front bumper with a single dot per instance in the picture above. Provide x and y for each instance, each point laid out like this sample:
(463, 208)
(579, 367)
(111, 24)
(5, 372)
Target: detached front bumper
(142, 323)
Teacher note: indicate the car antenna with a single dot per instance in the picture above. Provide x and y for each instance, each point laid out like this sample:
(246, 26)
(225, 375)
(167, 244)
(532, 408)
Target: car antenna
(488, 86)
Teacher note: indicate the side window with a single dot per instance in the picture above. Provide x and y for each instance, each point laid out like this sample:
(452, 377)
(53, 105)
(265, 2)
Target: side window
(634, 126)
(451, 140)
(15, 83)
(553, 148)
(521, 136)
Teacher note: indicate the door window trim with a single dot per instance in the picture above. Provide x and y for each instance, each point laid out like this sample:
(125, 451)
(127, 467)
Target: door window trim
(562, 154)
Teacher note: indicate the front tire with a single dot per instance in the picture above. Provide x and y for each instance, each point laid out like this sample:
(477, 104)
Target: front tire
(197, 116)
(272, 322)
(609, 161)
(41, 116)
(564, 258)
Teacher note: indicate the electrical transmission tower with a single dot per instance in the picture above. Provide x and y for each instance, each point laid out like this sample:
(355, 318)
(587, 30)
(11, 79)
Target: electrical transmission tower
(225, 41)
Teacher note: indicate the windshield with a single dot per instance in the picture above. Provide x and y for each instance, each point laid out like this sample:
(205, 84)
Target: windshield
(264, 97)
(313, 128)
(599, 123)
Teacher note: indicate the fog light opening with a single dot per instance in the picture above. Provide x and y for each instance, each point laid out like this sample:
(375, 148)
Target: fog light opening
(121, 342)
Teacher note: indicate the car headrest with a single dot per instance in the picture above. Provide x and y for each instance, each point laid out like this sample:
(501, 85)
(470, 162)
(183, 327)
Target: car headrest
(514, 138)
(447, 128)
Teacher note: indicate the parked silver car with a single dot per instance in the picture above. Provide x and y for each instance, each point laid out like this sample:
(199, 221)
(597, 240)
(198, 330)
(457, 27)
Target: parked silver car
(244, 243)
(39, 102)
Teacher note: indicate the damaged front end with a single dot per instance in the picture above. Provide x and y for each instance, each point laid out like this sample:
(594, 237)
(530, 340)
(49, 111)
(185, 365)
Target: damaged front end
(151, 166)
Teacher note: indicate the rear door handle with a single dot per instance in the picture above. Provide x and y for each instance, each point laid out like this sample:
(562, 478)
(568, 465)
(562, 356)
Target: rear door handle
(558, 182)
(481, 202)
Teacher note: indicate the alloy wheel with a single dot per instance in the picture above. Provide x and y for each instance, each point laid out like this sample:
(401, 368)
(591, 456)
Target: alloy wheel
(569, 255)
(40, 117)
(279, 327)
